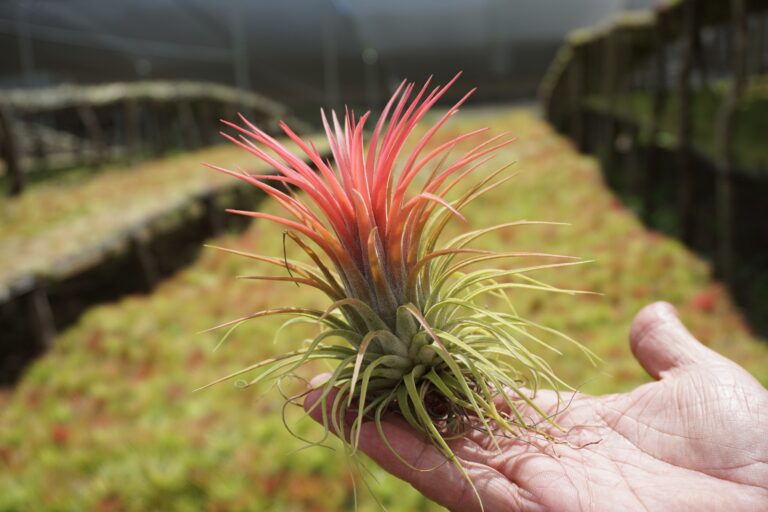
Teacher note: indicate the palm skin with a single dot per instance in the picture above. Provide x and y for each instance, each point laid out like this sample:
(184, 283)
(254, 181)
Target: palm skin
(696, 439)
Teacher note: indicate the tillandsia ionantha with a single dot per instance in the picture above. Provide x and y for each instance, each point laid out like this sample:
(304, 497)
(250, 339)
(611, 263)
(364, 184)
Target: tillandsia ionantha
(405, 328)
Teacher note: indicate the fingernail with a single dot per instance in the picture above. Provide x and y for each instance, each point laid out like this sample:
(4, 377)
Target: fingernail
(319, 380)
(665, 311)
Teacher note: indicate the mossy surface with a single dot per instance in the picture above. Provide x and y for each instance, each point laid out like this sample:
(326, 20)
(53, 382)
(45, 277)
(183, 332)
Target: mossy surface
(751, 120)
(59, 219)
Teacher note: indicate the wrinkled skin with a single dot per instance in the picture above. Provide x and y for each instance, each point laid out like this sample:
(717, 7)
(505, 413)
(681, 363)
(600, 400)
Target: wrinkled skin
(696, 439)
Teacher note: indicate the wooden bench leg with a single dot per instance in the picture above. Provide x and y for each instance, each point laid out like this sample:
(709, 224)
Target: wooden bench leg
(148, 263)
(40, 319)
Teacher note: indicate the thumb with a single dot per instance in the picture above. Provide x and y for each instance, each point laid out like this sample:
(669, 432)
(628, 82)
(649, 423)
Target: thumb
(661, 343)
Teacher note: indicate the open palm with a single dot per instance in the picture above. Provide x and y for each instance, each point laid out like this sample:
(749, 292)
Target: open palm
(697, 439)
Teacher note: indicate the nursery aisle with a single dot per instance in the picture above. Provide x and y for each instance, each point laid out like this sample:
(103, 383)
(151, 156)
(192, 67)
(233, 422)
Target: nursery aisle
(106, 419)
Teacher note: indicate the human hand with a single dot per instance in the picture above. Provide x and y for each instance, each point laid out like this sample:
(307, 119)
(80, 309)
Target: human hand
(696, 439)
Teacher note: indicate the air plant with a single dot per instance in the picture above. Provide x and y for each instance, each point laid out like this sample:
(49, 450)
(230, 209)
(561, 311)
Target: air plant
(405, 329)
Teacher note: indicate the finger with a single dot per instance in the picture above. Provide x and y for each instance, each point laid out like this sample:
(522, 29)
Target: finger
(661, 342)
(410, 457)
(323, 412)
(436, 477)
(464, 447)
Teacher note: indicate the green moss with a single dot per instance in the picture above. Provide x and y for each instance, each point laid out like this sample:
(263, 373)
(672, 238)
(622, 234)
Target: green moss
(751, 120)
(73, 217)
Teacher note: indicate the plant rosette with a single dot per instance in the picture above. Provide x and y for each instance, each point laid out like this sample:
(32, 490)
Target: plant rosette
(405, 329)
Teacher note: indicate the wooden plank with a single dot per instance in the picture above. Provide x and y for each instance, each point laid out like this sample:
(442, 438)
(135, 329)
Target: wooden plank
(685, 181)
(39, 150)
(10, 152)
(40, 318)
(659, 102)
(46, 99)
(147, 262)
(578, 78)
(133, 145)
(92, 127)
(206, 123)
(214, 214)
(189, 127)
(725, 137)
